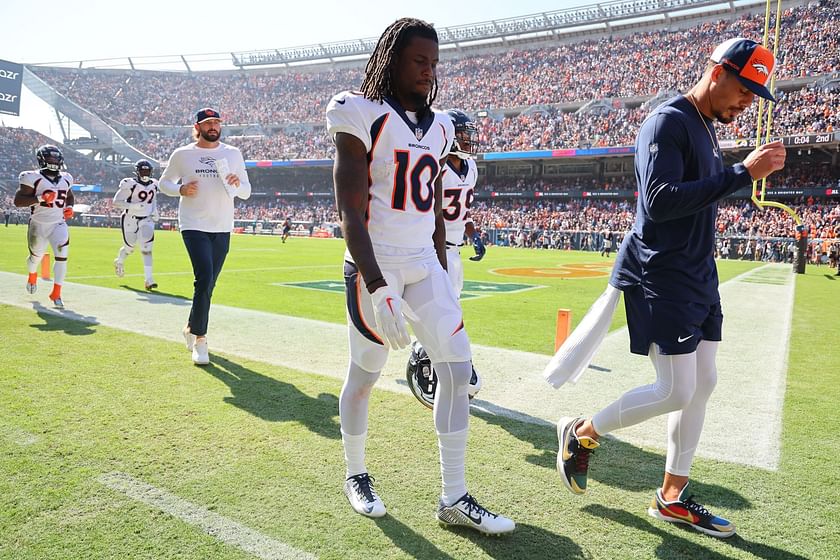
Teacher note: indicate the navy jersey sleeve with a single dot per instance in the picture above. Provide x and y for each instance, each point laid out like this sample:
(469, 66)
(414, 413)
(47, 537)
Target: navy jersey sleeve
(676, 177)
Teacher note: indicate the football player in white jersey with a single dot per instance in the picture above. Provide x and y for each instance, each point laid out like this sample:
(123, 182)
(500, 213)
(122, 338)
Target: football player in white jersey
(47, 191)
(137, 198)
(458, 179)
(390, 147)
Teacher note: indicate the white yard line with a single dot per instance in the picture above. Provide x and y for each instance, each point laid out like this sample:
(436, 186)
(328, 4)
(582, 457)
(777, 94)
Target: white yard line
(17, 436)
(743, 423)
(220, 527)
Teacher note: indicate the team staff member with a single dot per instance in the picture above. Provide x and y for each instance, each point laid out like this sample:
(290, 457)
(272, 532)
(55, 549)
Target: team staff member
(205, 213)
(666, 269)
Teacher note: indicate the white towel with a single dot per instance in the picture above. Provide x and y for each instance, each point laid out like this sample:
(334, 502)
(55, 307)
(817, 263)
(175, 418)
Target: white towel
(573, 357)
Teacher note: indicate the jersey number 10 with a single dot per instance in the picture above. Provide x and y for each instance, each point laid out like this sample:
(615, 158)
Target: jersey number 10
(402, 177)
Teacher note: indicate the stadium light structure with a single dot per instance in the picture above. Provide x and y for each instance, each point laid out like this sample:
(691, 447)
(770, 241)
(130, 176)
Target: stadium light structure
(546, 22)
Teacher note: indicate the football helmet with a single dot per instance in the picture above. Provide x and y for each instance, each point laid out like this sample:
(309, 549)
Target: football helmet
(465, 144)
(49, 158)
(422, 380)
(143, 170)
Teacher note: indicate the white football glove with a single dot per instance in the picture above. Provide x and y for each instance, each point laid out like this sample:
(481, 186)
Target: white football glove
(155, 216)
(388, 311)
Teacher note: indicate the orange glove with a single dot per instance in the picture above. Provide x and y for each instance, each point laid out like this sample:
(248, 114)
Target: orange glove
(68, 212)
(48, 197)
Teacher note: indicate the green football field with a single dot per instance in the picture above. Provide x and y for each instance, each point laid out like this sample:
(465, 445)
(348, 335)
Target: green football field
(113, 445)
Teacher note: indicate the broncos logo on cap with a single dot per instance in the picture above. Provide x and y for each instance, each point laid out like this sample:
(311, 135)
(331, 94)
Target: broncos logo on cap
(762, 68)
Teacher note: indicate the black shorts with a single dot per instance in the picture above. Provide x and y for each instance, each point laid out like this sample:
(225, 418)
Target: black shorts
(677, 327)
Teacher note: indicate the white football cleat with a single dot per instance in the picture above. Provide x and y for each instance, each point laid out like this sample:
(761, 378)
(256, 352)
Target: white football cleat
(466, 512)
(200, 352)
(361, 495)
(58, 303)
(119, 268)
(31, 288)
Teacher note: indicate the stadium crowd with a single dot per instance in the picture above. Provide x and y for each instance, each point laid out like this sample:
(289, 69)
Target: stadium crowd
(736, 217)
(641, 64)
(802, 111)
(744, 231)
(17, 153)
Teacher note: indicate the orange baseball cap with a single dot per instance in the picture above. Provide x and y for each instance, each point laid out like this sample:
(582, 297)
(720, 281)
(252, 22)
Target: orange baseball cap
(752, 63)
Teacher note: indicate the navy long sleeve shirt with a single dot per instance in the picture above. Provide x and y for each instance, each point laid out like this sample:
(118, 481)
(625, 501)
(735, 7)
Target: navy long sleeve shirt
(681, 176)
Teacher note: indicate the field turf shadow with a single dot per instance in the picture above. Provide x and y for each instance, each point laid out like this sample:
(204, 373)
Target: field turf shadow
(275, 401)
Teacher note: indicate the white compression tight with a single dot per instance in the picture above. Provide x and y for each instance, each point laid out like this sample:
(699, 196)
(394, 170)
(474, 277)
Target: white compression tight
(452, 418)
(451, 415)
(683, 385)
(353, 412)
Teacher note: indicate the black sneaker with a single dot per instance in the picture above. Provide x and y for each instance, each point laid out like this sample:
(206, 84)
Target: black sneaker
(573, 455)
(466, 512)
(689, 512)
(359, 491)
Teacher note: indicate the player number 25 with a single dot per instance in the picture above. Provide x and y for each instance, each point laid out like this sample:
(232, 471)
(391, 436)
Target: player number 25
(60, 197)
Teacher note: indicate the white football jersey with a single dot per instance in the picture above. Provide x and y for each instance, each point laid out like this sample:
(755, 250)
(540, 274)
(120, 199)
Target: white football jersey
(458, 194)
(47, 212)
(403, 163)
(136, 198)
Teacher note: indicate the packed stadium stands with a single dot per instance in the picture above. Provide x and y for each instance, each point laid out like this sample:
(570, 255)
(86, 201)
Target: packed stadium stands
(17, 153)
(527, 97)
(640, 65)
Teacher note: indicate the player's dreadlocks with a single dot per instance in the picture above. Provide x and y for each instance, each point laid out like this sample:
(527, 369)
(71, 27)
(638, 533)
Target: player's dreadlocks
(380, 67)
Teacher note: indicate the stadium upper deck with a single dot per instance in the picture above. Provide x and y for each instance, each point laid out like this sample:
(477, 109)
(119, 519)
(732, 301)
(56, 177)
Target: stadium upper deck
(566, 74)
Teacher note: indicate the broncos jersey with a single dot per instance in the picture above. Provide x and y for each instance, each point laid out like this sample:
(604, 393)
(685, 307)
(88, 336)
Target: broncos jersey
(136, 198)
(47, 212)
(403, 164)
(458, 186)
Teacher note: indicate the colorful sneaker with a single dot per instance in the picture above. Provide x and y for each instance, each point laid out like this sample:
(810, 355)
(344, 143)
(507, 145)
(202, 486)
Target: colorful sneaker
(467, 512)
(689, 512)
(573, 454)
(362, 496)
(119, 268)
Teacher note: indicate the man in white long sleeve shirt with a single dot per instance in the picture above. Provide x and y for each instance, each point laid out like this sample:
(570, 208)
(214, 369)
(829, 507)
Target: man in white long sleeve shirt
(137, 197)
(207, 175)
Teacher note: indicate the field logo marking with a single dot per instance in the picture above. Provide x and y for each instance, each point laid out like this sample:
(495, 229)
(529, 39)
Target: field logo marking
(582, 270)
(472, 288)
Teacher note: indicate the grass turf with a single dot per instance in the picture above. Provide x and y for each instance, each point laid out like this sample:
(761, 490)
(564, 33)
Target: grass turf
(259, 444)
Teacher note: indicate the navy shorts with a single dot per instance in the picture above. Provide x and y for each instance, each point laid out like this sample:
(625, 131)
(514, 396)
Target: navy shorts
(677, 327)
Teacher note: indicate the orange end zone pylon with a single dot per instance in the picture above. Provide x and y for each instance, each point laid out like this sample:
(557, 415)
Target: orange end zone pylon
(564, 327)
